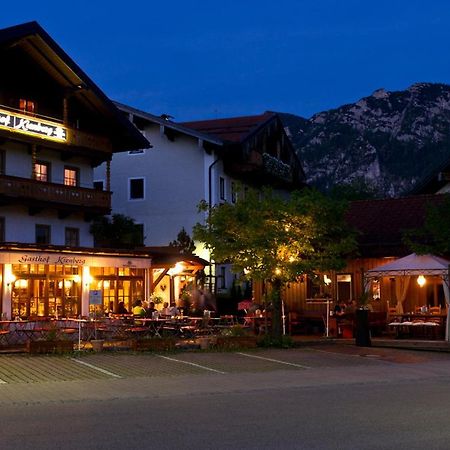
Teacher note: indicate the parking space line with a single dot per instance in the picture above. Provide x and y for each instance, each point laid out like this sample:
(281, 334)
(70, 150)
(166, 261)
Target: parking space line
(378, 357)
(300, 366)
(99, 369)
(191, 364)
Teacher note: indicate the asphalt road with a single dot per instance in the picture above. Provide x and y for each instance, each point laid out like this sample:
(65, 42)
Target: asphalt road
(319, 398)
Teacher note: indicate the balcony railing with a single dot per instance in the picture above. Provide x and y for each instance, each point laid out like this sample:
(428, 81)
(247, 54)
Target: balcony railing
(52, 129)
(57, 194)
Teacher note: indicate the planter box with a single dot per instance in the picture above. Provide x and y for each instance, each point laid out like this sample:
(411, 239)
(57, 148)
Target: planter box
(236, 342)
(39, 347)
(154, 344)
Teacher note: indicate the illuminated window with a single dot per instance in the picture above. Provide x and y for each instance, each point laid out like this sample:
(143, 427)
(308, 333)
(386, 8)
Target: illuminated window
(42, 234)
(27, 106)
(42, 171)
(136, 188)
(72, 237)
(70, 176)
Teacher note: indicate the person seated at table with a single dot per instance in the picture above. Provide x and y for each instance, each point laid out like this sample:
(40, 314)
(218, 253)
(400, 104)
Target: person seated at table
(138, 309)
(151, 309)
(165, 311)
(351, 307)
(121, 308)
(173, 310)
(339, 308)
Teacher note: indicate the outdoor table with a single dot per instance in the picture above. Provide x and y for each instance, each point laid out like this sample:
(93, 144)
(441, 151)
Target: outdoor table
(153, 327)
(418, 324)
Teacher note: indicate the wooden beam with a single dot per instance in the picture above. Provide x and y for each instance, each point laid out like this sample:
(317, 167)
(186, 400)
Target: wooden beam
(161, 276)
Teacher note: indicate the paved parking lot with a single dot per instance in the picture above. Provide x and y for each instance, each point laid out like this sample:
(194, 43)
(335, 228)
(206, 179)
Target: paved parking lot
(20, 369)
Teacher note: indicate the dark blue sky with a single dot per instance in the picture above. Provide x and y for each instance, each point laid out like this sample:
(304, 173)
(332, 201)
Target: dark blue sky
(198, 59)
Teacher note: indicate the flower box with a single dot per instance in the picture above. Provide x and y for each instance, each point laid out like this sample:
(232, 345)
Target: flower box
(153, 344)
(39, 347)
(236, 342)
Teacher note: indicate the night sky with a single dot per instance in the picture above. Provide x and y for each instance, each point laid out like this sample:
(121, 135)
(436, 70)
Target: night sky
(207, 59)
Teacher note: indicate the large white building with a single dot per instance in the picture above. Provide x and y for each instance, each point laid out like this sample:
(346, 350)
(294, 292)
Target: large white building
(160, 187)
(55, 126)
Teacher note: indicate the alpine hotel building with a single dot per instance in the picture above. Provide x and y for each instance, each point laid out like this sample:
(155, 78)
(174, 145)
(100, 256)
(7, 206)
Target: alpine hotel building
(56, 125)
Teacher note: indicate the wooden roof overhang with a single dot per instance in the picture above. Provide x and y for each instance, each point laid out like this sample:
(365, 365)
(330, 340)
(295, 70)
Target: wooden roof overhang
(35, 41)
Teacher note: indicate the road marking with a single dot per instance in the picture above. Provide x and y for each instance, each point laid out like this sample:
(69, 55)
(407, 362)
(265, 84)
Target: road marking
(274, 360)
(351, 354)
(191, 364)
(99, 369)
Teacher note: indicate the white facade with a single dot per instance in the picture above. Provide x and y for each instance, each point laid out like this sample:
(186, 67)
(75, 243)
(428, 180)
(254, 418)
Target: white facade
(177, 175)
(19, 225)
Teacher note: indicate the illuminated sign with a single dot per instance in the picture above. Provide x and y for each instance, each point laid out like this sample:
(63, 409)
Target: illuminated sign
(32, 126)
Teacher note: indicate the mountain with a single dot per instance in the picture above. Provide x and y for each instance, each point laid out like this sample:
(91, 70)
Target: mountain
(389, 140)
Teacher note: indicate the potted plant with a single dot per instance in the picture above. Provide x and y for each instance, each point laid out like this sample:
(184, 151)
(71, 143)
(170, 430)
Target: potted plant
(362, 338)
(236, 337)
(52, 342)
(153, 344)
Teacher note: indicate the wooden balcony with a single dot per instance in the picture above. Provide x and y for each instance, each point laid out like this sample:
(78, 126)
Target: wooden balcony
(39, 194)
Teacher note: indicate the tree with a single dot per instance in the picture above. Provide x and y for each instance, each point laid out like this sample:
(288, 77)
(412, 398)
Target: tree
(273, 239)
(118, 231)
(357, 189)
(184, 242)
(434, 236)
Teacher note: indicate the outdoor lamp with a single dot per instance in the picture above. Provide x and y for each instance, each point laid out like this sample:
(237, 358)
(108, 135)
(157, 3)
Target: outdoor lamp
(10, 278)
(421, 280)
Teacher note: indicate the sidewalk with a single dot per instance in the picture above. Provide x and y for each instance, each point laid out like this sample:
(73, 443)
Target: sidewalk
(386, 342)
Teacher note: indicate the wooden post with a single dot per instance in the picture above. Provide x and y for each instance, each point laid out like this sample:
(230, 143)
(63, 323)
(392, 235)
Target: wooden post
(33, 161)
(108, 175)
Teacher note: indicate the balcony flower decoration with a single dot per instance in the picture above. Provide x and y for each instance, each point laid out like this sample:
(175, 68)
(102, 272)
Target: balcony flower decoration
(276, 167)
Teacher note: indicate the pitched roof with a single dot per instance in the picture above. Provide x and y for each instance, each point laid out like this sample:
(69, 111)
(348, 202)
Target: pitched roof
(36, 42)
(381, 223)
(412, 265)
(233, 129)
(168, 123)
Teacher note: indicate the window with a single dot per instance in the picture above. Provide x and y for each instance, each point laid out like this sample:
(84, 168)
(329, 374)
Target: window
(98, 185)
(27, 106)
(71, 176)
(222, 277)
(42, 171)
(140, 230)
(222, 188)
(137, 152)
(344, 287)
(233, 192)
(136, 188)
(42, 234)
(72, 237)
(2, 229)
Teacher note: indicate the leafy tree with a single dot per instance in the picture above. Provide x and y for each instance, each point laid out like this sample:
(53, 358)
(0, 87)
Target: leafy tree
(118, 231)
(276, 240)
(357, 189)
(434, 236)
(184, 242)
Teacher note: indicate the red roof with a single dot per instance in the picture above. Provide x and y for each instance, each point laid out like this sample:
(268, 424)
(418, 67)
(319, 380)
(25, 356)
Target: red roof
(234, 129)
(382, 222)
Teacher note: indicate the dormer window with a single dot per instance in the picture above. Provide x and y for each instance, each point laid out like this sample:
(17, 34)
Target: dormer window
(27, 106)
